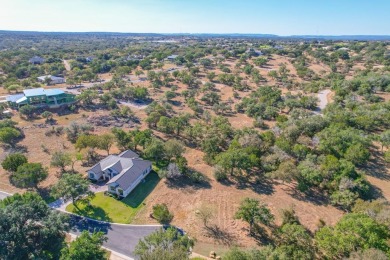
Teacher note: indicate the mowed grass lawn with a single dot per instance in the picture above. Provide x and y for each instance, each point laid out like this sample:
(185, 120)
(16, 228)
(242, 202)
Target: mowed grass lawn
(110, 209)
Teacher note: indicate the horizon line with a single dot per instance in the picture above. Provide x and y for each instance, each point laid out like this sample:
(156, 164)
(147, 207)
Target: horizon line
(197, 33)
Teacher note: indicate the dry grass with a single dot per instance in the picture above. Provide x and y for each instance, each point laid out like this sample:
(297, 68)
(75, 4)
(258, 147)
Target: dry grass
(184, 200)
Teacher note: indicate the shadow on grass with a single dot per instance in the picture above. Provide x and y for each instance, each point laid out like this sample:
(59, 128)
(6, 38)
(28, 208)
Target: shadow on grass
(139, 194)
(261, 235)
(44, 192)
(93, 212)
(314, 196)
(260, 185)
(192, 179)
(219, 235)
(376, 166)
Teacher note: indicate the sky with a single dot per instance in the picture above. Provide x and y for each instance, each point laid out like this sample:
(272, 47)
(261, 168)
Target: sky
(281, 17)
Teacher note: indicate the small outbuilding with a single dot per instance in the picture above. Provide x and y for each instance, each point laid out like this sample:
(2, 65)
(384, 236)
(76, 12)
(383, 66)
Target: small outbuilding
(51, 79)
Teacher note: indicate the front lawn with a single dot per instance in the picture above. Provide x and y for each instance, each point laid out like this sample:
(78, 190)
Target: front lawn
(110, 209)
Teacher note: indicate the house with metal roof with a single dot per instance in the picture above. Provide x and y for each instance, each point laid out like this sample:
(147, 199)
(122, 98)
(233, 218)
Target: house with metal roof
(53, 79)
(123, 172)
(40, 97)
(171, 58)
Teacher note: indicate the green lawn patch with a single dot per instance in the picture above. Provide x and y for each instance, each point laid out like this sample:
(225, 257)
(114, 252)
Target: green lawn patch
(110, 209)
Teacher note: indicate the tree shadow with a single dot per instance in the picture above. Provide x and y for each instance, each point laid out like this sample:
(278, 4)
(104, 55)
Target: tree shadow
(314, 196)
(374, 193)
(220, 235)
(175, 103)
(186, 182)
(15, 148)
(44, 192)
(94, 212)
(376, 166)
(260, 185)
(261, 235)
(79, 224)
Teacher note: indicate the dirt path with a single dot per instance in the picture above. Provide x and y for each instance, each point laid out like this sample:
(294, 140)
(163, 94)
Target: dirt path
(67, 65)
(323, 97)
(134, 105)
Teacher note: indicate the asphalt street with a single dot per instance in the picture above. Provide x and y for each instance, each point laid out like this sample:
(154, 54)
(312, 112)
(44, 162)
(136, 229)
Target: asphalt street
(121, 238)
(3, 195)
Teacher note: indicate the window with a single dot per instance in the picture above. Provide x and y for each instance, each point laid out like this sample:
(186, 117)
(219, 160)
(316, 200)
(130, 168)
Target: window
(91, 175)
(112, 188)
(120, 191)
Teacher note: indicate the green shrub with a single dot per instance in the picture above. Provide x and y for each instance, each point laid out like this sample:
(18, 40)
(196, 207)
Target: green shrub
(162, 214)
(220, 174)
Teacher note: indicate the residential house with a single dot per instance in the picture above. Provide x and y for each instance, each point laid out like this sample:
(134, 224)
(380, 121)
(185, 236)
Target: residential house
(36, 60)
(172, 58)
(123, 172)
(254, 53)
(53, 79)
(39, 97)
(135, 57)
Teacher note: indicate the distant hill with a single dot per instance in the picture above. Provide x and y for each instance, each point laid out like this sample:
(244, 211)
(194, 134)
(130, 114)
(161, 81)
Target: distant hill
(206, 35)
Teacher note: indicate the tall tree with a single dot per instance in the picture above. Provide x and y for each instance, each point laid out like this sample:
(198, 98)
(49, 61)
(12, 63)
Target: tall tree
(61, 160)
(252, 212)
(13, 161)
(353, 232)
(29, 175)
(86, 247)
(29, 229)
(72, 186)
(165, 245)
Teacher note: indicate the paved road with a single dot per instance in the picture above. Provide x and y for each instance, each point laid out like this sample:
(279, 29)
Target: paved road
(121, 238)
(4, 195)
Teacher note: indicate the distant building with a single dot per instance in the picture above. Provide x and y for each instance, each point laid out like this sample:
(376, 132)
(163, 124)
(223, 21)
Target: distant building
(135, 57)
(171, 57)
(36, 60)
(343, 49)
(53, 79)
(123, 172)
(89, 59)
(254, 53)
(40, 97)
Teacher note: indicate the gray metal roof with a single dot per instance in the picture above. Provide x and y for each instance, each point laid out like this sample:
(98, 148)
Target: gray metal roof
(128, 164)
(14, 98)
(128, 176)
(172, 56)
(34, 92)
(53, 92)
(129, 154)
(41, 92)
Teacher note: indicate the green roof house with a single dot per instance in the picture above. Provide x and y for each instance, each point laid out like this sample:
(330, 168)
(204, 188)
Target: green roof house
(39, 97)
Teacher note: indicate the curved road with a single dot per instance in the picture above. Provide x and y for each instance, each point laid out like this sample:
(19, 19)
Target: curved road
(4, 195)
(122, 239)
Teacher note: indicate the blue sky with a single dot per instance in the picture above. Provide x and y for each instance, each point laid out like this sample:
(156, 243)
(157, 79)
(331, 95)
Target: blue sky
(282, 17)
